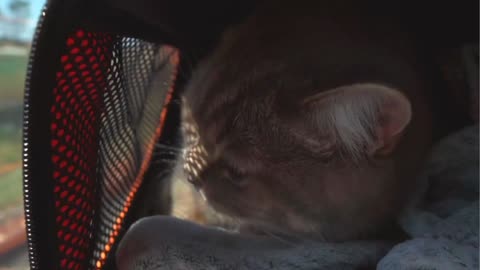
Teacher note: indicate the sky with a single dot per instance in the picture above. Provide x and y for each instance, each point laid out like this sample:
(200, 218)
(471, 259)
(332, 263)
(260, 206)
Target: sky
(35, 8)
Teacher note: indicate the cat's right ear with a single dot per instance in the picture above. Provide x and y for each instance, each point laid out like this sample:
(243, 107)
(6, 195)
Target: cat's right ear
(360, 119)
(185, 23)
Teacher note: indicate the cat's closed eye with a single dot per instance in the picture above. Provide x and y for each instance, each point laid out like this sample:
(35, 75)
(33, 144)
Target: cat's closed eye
(235, 176)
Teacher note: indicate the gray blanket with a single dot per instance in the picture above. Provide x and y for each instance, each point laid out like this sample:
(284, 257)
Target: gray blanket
(442, 224)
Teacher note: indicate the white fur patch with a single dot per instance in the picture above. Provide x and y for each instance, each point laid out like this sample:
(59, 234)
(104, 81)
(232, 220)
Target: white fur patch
(353, 112)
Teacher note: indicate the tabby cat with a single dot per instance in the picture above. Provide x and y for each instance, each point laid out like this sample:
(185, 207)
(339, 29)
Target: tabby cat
(309, 118)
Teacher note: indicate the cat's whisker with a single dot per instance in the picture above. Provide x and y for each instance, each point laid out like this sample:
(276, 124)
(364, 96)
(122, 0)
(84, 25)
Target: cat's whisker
(165, 158)
(167, 161)
(164, 173)
(202, 194)
(279, 238)
(163, 151)
(176, 101)
(170, 147)
(166, 145)
(166, 151)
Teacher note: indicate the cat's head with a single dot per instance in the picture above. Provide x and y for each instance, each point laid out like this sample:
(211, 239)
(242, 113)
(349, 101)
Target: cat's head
(290, 166)
(294, 131)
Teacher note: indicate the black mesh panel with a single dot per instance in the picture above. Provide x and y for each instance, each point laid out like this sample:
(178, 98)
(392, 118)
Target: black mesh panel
(140, 74)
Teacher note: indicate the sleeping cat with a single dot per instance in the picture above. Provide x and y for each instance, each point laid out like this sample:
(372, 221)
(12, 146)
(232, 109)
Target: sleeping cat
(310, 118)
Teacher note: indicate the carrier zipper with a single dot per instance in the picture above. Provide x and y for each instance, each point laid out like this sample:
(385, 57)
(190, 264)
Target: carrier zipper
(30, 228)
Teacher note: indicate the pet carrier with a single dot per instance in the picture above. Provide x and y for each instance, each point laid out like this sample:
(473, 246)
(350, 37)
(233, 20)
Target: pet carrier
(101, 90)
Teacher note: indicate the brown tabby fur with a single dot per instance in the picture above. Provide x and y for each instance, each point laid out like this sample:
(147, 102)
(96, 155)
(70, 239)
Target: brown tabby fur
(259, 156)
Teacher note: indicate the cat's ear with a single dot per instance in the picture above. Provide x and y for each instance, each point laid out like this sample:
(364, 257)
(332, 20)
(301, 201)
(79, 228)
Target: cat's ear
(364, 118)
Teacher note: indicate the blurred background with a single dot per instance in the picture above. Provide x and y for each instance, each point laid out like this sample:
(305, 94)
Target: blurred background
(18, 19)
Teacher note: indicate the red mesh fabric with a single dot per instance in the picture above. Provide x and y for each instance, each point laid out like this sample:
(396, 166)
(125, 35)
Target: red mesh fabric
(75, 114)
(107, 114)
